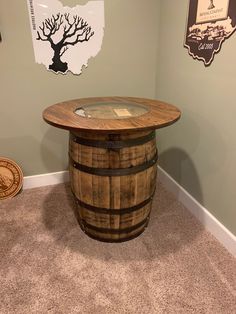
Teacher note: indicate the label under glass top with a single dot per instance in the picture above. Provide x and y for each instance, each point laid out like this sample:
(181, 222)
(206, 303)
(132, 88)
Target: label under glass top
(111, 110)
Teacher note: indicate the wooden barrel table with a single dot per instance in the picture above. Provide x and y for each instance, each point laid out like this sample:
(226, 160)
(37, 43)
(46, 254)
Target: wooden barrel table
(112, 160)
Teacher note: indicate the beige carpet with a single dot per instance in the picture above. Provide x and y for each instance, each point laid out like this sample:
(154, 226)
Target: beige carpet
(48, 265)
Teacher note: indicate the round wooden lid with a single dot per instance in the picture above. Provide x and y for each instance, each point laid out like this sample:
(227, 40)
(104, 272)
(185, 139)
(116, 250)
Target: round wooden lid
(111, 114)
(11, 178)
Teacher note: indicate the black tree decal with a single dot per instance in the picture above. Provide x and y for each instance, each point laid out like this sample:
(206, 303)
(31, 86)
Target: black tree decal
(74, 30)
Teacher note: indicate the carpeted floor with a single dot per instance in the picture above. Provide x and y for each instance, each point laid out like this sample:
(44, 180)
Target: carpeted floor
(48, 265)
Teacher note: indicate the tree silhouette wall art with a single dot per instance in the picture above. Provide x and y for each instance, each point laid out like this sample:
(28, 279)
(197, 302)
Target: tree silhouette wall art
(66, 38)
(63, 31)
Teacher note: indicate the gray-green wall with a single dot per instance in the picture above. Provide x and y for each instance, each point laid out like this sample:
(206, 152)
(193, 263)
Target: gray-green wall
(199, 151)
(142, 55)
(126, 65)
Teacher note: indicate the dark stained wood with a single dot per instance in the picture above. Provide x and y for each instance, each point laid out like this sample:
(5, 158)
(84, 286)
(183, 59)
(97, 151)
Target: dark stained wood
(160, 114)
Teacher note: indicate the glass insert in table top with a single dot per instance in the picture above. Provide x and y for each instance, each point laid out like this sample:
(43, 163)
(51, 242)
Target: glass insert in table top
(111, 110)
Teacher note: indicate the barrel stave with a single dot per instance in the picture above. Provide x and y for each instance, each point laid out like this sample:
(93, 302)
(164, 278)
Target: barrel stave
(122, 194)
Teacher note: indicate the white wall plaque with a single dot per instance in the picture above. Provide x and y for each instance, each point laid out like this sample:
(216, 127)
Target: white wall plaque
(65, 38)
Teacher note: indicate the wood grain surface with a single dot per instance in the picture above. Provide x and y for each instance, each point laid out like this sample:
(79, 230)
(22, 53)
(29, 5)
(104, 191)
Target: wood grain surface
(112, 193)
(160, 114)
(11, 178)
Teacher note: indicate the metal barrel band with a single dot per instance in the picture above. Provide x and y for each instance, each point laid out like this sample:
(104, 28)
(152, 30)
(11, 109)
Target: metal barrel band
(113, 172)
(114, 144)
(115, 231)
(108, 211)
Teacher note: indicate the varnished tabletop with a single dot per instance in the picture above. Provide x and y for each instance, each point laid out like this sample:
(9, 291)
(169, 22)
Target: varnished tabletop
(157, 115)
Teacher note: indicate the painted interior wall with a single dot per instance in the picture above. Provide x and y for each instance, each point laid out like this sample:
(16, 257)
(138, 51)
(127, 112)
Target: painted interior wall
(200, 150)
(124, 67)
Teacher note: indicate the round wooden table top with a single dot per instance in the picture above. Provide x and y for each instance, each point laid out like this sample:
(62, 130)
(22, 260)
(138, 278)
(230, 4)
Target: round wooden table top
(111, 114)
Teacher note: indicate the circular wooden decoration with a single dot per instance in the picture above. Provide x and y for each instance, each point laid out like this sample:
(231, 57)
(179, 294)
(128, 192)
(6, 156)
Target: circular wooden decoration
(111, 114)
(11, 178)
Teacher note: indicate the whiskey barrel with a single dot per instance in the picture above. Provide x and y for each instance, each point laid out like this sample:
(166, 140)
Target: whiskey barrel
(112, 160)
(113, 178)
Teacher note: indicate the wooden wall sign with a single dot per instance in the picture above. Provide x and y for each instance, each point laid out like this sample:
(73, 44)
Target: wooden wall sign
(210, 23)
(11, 178)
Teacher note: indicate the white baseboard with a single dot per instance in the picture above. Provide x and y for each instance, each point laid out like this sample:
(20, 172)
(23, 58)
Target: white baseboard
(223, 235)
(45, 179)
(210, 223)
